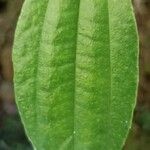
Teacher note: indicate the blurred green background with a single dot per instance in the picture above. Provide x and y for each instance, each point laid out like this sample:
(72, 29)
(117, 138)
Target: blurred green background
(12, 136)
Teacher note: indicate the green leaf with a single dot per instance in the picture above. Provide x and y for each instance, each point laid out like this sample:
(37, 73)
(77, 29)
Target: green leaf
(75, 73)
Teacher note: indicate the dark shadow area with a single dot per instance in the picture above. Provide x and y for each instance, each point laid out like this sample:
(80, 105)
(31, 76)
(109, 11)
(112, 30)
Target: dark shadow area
(3, 6)
(12, 136)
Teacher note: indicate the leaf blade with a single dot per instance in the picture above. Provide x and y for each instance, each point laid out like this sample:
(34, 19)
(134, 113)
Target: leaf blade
(77, 37)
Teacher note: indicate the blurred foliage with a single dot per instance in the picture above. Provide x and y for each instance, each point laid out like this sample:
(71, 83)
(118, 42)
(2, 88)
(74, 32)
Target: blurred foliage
(12, 136)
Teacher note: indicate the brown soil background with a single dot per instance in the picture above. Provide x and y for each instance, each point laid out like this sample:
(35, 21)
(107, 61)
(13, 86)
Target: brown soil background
(12, 136)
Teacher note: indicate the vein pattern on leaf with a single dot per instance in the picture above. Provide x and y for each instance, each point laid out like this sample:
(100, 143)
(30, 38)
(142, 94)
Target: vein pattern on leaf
(76, 78)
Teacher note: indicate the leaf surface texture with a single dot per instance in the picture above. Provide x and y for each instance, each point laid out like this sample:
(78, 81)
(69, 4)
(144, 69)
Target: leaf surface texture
(75, 73)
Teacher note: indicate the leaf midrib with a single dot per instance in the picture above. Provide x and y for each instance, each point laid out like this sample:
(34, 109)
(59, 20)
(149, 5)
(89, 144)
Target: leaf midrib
(74, 128)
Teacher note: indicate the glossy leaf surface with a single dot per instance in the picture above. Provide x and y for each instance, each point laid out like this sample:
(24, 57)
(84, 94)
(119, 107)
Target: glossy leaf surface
(75, 73)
